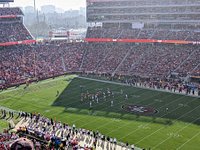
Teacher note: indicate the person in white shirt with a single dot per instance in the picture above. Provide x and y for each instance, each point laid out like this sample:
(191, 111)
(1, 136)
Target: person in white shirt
(126, 97)
(132, 147)
(115, 141)
(111, 103)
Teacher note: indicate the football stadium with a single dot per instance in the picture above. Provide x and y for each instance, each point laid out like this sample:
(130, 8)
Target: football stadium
(131, 83)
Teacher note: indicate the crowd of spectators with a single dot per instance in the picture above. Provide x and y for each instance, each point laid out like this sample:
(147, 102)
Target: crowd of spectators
(128, 17)
(55, 59)
(12, 28)
(7, 138)
(11, 32)
(190, 64)
(113, 58)
(19, 63)
(196, 71)
(16, 64)
(158, 34)
(40, 61)
(142, 3)
(93, 56)
(5, 11)
(160, 60)
(143, 10)
(4, 137)
(38, 132)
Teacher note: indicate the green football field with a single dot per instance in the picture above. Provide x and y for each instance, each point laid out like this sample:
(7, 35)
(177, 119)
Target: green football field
(174, 124)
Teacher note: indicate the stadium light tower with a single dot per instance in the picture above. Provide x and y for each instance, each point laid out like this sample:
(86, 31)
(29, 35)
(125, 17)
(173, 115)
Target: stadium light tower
(34, 6)
(36, 13)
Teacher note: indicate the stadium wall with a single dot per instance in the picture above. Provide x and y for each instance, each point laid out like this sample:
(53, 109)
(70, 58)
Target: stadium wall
(18, 42)
(139, 41)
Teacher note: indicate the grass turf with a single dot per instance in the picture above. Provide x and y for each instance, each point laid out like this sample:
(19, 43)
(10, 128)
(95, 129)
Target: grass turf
(3, 125)
(177, 128)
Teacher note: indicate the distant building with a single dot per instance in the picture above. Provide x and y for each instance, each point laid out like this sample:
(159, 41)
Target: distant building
(59, 10)
(82, 11)
(63, 34)
(48, 9)
(72, 13)
(29, 10)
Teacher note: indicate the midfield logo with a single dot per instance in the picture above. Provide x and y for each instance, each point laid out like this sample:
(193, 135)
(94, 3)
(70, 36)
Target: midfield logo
(138, 109)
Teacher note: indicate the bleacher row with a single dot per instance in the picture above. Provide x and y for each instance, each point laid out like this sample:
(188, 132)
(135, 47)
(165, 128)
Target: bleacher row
(142, 3)
(12, 28)
(19, 63)
(5, 11)
(13, 32)
(34, 131)
(158, 34)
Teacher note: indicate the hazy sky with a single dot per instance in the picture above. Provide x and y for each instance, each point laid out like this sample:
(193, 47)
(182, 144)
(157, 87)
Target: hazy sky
(64, 4)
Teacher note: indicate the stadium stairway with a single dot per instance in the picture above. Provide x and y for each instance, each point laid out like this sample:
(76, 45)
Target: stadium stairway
(127, 54)
(184, 61)
(84, 139)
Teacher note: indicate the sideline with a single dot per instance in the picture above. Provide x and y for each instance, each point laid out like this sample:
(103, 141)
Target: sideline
(141, 87)
(98, 80)
(40, 82)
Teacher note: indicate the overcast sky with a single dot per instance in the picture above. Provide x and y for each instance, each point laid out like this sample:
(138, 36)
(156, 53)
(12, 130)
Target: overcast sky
(64, 4)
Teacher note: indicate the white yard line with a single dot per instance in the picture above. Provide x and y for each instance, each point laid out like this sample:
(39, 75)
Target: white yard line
(150, 122)
(129, 123)
(136, 87)
(127, 112)
(32, 85)
(178, 130)
(82, 118)
(111, 82)
(188, 140)
(108, 107)
(161, 117)
(161, 90)
(104, 81)
(100, 116)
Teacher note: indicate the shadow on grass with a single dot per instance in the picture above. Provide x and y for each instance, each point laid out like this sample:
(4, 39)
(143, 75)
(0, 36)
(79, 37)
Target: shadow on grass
(70, 100)
(114, 115)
